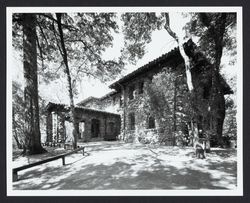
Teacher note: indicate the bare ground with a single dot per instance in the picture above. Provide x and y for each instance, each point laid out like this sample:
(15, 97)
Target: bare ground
(116, 165)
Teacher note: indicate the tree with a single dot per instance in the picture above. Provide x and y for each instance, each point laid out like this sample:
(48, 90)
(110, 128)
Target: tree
(32, 125)
(76, 42)
(230, 124)
(216, 33)
(138, 28)
(92, 33)
(18, 115)
(65, 60)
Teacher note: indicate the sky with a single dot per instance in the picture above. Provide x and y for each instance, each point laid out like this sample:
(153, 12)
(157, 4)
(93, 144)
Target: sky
(161, 43)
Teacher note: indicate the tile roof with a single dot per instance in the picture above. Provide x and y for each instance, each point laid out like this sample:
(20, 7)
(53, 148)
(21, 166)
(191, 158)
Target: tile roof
(50, 105)
(145, 67)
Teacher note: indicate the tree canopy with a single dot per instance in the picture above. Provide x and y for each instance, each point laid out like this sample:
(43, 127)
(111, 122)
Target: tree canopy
(86, 36)
(74, 41)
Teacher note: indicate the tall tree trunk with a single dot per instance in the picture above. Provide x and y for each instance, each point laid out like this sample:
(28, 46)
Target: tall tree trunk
(69, 85)
(217, 99)
(188, 77)
(174, 113)
(32, 123)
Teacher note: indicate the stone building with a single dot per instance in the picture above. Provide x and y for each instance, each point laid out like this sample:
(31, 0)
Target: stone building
(125, 111)
(93, 124)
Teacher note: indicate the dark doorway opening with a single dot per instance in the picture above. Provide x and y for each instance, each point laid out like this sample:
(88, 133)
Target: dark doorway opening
(95, 128)
(111, 131)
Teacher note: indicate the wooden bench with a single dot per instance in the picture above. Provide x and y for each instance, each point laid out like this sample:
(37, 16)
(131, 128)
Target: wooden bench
(61, 156)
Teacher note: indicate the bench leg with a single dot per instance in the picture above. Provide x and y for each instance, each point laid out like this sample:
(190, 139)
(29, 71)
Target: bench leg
(83, 151)
(63, 161)
(15, 176)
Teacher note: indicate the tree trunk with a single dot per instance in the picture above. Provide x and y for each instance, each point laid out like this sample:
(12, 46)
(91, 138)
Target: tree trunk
(188, 77)
(32, 124)
(217, 100)
(69, 84)
(174, 113)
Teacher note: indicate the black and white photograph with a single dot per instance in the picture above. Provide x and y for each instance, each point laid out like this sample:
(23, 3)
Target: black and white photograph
(124, 101)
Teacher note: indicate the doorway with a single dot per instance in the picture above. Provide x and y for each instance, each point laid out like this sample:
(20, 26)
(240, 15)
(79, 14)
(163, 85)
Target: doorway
(95, 128)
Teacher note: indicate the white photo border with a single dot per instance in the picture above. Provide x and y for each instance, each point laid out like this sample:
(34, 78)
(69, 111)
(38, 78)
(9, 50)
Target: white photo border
(236, 192)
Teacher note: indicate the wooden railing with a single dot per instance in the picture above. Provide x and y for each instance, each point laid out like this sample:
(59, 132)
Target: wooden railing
(61, 156)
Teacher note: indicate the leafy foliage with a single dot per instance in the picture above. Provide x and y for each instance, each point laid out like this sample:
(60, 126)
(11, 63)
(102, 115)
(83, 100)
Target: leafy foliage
(18, 115)
(75, 41)
(230, 123)
(86, 36)
(168, 98)
(138, 28)
(211, 28)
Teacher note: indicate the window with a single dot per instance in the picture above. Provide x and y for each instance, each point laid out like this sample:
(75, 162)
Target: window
(151, 122)
(131, 121)
(141, 84)
(121, 101)
(131, 93)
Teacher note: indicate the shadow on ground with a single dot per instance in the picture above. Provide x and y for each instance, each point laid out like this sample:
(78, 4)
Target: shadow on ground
(145, 170)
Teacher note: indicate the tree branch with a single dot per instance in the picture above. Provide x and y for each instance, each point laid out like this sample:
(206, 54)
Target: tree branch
(56, 21)
(57, 42)
(167, 27)
(205, 19)
(43, 34)
(40, 51)
(182, 52)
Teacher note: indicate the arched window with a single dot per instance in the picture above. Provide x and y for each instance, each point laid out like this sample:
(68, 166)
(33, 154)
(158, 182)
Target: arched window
(121, 101)
(131, 92)
(131, 121)
(151, 122)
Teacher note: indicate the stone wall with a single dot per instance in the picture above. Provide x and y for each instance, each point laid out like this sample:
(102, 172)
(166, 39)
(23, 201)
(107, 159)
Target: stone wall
(111, 103)
(93, 104)
(140, 107)
(90, 118)
(97, 124)
(55, 127)
(49, 127)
